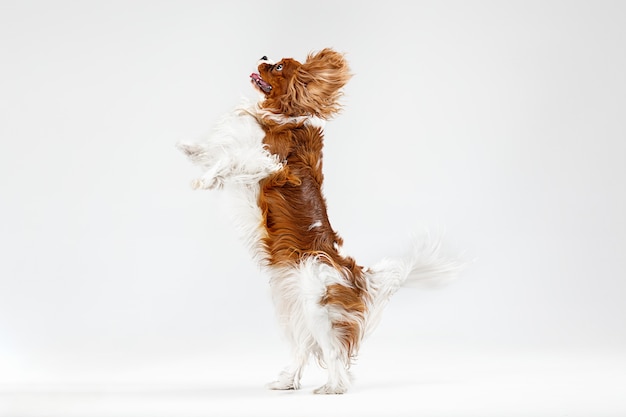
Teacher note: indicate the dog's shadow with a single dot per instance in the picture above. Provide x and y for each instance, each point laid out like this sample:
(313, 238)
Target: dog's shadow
(196, 391)
(236, 391)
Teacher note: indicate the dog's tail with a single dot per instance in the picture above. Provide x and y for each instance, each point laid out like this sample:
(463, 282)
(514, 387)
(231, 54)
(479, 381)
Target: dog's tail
(423, 265)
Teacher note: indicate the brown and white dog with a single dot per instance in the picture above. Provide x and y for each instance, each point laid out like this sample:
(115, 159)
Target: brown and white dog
(269, 155)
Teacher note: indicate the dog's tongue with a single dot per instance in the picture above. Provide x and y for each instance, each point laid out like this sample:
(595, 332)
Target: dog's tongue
(261, 82)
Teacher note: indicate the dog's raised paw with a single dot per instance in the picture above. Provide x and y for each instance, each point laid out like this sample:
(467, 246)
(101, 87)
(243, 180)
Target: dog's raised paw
(187, 149)
(207, 183)
(197, 184)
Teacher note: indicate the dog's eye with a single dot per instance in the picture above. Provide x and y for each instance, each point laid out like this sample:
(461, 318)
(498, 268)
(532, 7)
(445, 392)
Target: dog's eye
(279, 67)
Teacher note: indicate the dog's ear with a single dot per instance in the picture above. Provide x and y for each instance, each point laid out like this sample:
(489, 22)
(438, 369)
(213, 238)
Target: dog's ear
(318, 82)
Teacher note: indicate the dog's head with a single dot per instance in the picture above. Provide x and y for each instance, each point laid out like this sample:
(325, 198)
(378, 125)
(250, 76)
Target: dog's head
(310, 89)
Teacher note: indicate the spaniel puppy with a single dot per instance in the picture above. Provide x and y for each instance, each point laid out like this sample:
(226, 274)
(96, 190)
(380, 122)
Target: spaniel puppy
(269, 156)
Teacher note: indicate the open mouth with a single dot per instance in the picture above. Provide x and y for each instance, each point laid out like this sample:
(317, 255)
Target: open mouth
(260, 83)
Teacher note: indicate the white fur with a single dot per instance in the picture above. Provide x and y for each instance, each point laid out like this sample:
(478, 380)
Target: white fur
(308, 325)
(423, 265)
(265, 61)
(282, 119)
(233, 152)
(315, 224)
(234, 157)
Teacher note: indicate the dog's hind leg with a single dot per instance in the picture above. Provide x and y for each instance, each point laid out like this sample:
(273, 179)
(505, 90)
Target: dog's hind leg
(296, 294)
(336, 361)
(289, 379)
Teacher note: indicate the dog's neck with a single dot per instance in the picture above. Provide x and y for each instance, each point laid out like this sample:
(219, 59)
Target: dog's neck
(281, 119)
(267, 117)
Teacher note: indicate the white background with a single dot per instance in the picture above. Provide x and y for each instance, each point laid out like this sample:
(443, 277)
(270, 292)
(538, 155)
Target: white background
(124, 292)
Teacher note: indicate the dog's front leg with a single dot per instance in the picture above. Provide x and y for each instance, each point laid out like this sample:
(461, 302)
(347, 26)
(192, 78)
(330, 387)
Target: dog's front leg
(212, 178)
(211, 160)
(197, 153)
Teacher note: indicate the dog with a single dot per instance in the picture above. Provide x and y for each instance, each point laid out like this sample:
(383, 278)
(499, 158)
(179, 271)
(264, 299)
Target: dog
(269, 156)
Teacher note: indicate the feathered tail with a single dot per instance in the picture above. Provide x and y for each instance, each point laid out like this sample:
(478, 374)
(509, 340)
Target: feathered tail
(423, 265)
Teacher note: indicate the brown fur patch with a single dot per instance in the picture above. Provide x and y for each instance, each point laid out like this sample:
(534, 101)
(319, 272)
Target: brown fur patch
(291, 200)
(350, 300)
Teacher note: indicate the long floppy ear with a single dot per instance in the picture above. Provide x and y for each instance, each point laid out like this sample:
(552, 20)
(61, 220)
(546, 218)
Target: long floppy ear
(317, 84)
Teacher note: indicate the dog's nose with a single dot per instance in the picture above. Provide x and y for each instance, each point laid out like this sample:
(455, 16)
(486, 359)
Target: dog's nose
(265, 60)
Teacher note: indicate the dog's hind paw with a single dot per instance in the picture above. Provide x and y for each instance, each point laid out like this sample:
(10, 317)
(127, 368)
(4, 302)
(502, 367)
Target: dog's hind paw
(327, 389)
(284, 385)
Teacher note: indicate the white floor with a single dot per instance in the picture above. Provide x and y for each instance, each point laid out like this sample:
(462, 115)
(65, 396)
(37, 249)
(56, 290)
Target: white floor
(389, 382)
